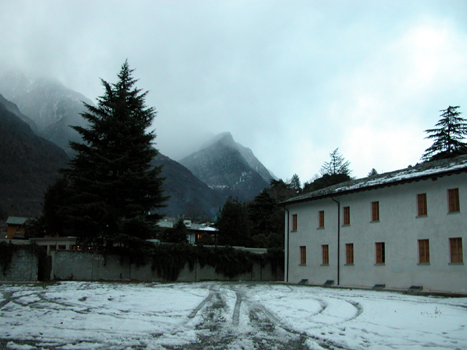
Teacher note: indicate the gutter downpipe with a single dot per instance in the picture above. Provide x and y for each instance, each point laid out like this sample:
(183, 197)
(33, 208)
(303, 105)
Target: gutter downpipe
(288, 228)
(338, 238)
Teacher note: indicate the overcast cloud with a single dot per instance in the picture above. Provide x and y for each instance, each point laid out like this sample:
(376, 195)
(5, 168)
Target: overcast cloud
(292, 80)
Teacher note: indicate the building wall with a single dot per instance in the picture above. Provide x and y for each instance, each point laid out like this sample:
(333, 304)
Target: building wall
(399, 228)
(12, 229)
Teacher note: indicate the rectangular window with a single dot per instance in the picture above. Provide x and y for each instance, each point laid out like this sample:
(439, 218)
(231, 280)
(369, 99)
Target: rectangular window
(380, 253)
(303, 255)
(421, 201)
(294, 222)
(346, 215)
(374, 211)
(321, 219)
(325, 249)
(349, 253)
(423, 251)
(453, 195)
(456, 250)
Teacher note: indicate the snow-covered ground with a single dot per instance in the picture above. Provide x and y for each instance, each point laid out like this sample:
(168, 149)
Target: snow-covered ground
(214, 315)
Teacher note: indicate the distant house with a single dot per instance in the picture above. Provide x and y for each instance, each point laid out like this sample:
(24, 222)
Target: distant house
(202, 234)
(399, 230)
(167, 222)
(15, 227)
(197, 233)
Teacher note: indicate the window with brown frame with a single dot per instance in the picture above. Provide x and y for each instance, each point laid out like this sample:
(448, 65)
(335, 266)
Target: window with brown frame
(423, 251)
(380, 253)
(421, 202)
(294, 222)
(349, 253)
(453, 196)
(346, 215)
(303, 255)
(321, 219)
(374, 211)
(456, 250)
(325, 250)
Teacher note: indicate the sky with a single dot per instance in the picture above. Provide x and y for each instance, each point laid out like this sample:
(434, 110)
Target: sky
(292, 80)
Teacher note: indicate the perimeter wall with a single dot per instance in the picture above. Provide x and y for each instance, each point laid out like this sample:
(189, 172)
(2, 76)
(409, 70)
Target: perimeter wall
(74, 265)
(23, 267)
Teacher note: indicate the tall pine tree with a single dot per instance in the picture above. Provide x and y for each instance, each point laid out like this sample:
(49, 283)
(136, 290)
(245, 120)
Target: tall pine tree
(448, 137)
(233, 225)
(337, 165)
(114, 190)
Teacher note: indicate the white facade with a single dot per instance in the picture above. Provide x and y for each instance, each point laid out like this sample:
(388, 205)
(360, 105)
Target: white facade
(417, 248)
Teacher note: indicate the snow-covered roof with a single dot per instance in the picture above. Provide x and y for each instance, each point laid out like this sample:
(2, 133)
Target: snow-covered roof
(16, 220)
(422, 171)
(202, 227)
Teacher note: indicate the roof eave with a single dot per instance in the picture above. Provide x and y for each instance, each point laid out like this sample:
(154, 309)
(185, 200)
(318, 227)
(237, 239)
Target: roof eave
(336, 193)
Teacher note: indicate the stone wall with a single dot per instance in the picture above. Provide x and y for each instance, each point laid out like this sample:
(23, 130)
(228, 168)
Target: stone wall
(24, 267)
(73, 265)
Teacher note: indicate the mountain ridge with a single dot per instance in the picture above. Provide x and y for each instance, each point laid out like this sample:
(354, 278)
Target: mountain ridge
(49, 104)
(188, 195)
(226, 166)
(227, 139)
(235, 171)
(30, 165)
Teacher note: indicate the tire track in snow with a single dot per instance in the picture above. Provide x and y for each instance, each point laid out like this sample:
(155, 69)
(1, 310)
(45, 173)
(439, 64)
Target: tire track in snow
(269, 332)
(358, 307)
(323, 341)
(8, 297)
(244, 324)
(236, 313)
(297, 339)
(201, 305)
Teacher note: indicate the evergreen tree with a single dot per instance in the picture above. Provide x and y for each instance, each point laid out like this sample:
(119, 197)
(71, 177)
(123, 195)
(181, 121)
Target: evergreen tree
(337, 165)
(261, 211)
(177, 234)
(55, 198)
(267, 221)
(3, 214)
(448, 137)
(295, 183)
(372, 173)
(280, 190)
(333, 172)
(233, 224)
(325, 181)
(113, 189)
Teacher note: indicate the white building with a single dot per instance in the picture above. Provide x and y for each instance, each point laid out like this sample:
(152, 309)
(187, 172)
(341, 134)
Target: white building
(396, 230)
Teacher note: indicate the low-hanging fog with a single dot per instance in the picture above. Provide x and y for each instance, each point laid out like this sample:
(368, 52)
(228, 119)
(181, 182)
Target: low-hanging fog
(290, 80)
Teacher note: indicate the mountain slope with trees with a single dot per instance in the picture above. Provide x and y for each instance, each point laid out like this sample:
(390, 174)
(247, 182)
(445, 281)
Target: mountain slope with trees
(188, 195)
(30, 164)
(49, 106)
